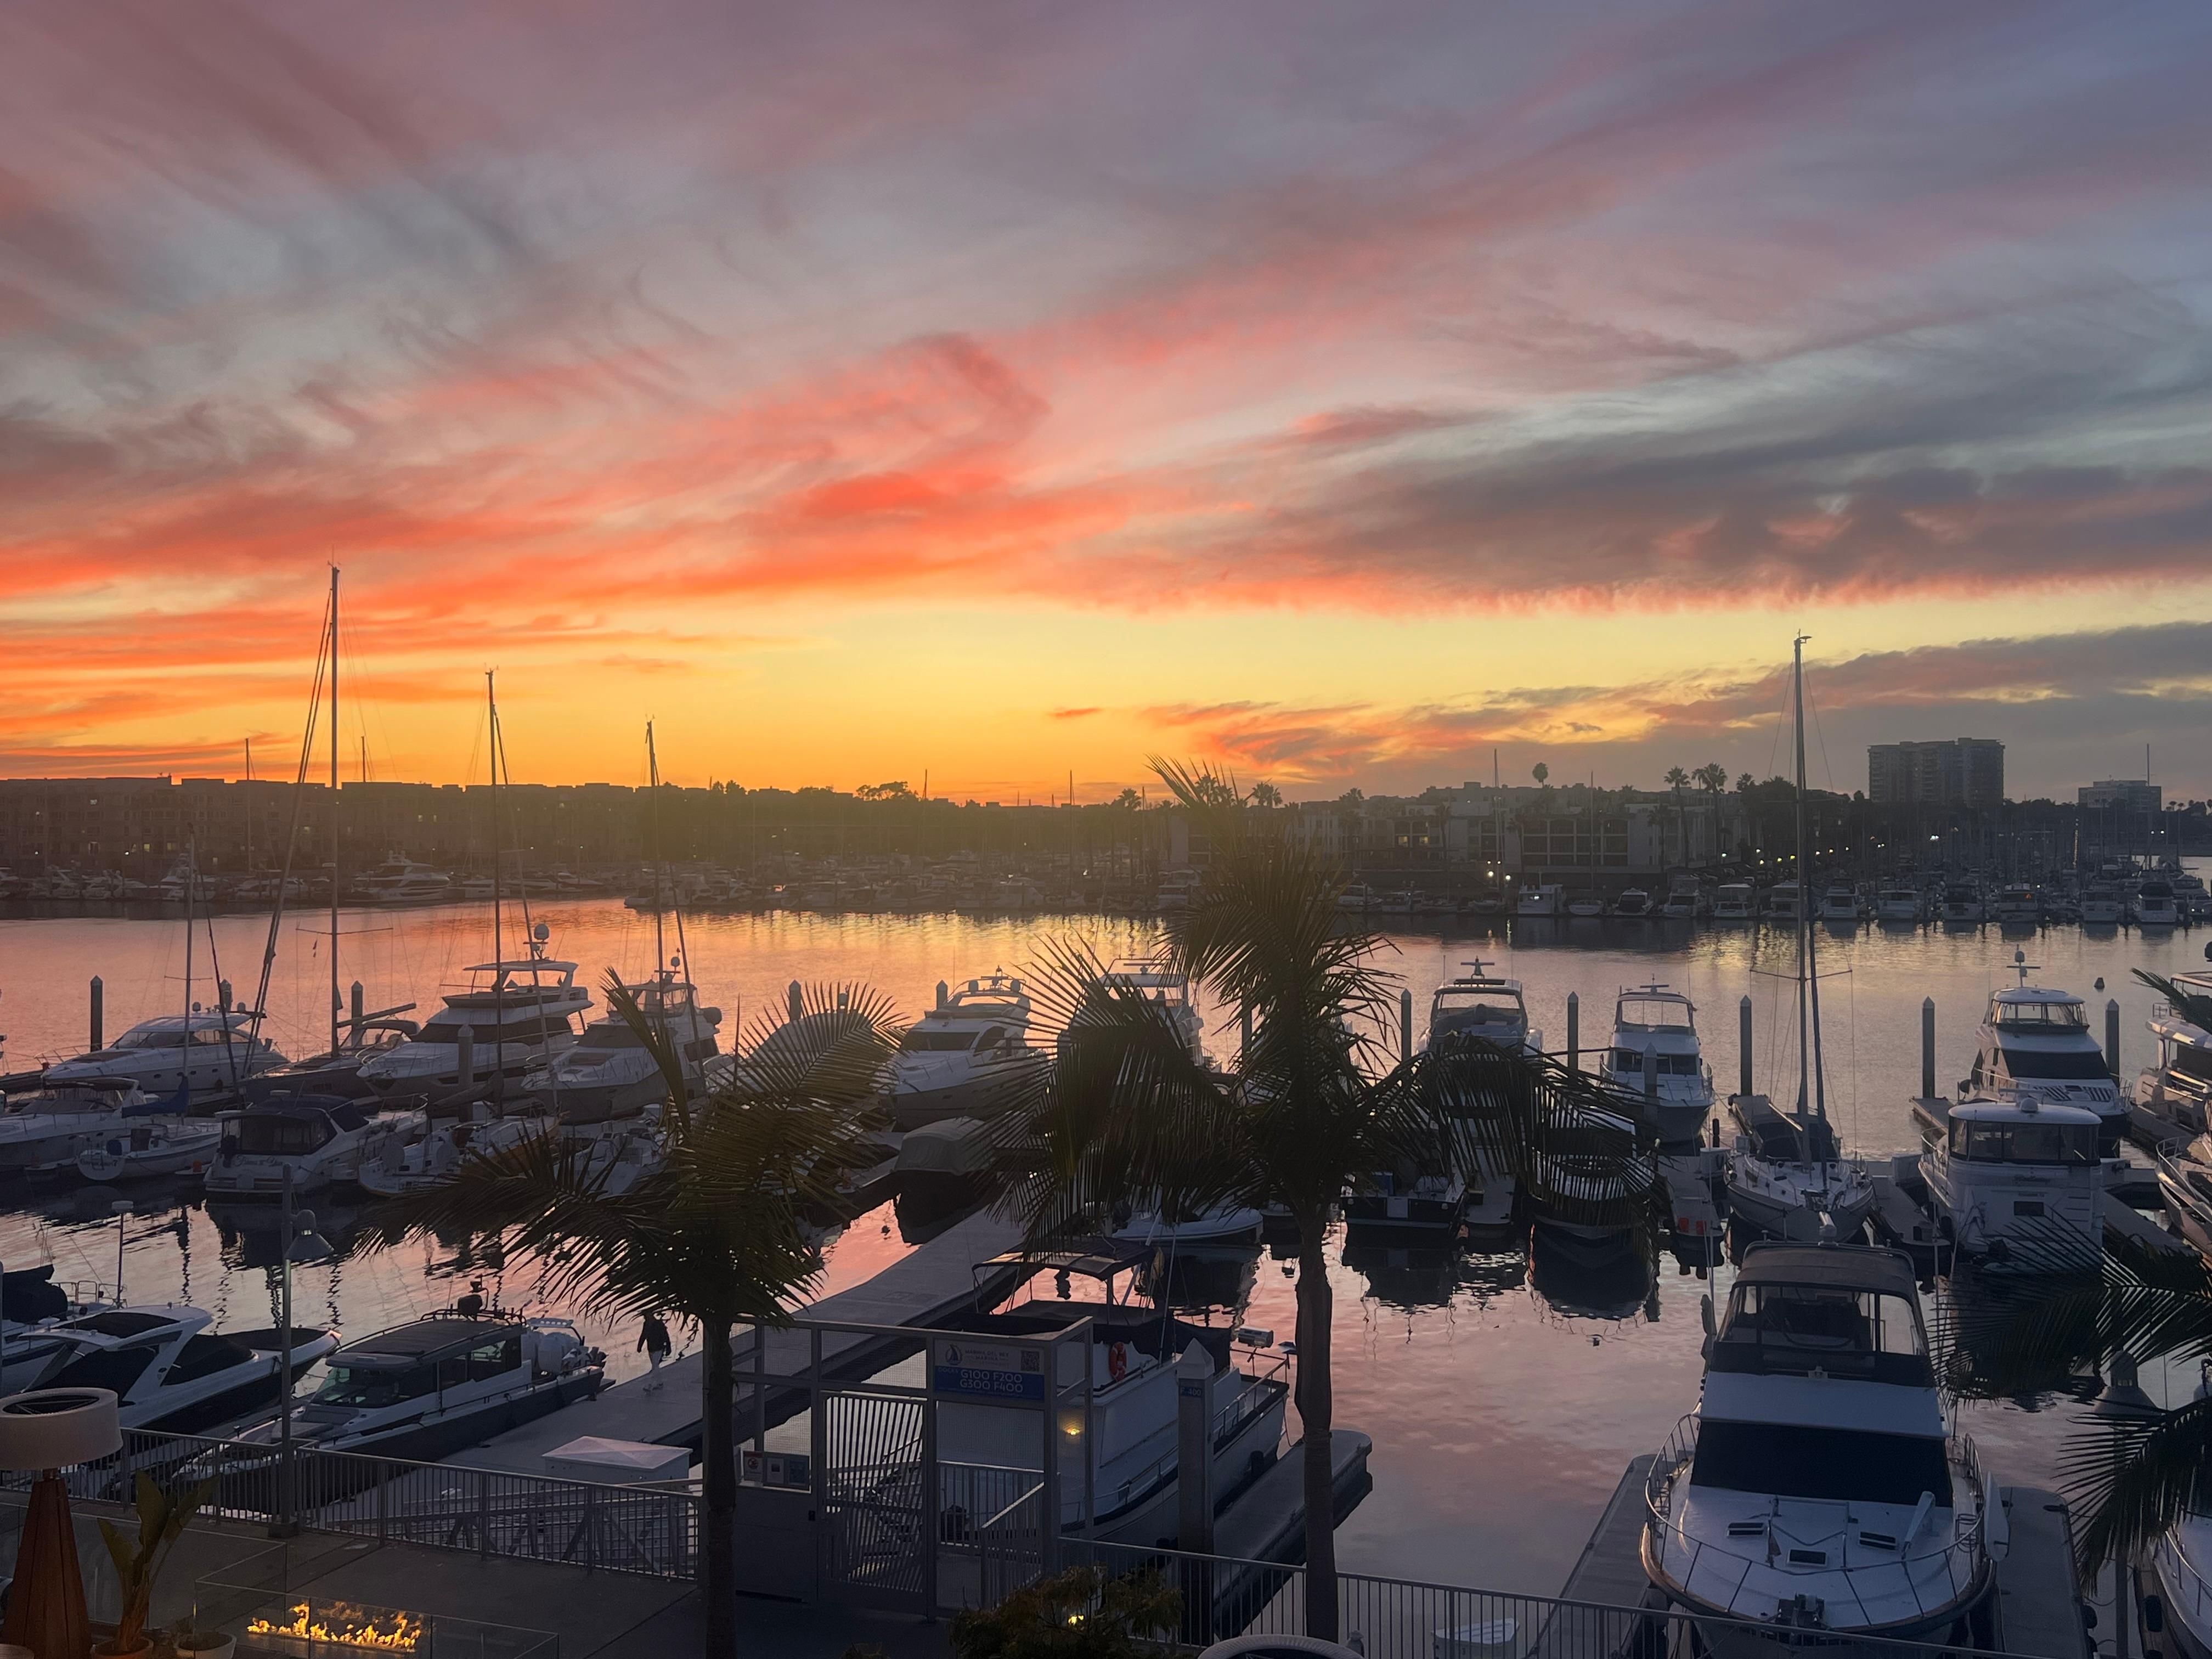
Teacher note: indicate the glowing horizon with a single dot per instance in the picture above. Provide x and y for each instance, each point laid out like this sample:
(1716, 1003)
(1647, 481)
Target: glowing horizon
(1333, 397)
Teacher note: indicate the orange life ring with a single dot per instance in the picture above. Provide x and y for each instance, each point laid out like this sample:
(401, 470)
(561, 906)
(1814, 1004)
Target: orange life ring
(1117, 1361)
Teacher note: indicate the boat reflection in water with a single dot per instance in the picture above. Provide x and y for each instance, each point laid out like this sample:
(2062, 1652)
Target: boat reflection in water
(1414, 1278)
(1585, 1278)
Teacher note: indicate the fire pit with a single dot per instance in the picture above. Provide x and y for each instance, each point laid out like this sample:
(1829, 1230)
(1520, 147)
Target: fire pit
(328, 1629)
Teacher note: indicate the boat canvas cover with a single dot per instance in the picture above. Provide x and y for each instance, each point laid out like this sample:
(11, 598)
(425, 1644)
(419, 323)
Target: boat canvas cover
(403, 1345)
(1886, 1272)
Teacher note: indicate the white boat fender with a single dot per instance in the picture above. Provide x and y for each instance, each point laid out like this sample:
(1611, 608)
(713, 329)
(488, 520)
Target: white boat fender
(1921, 1511)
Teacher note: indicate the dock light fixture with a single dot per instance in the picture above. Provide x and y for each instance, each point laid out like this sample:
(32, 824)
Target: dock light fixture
(50, 1430)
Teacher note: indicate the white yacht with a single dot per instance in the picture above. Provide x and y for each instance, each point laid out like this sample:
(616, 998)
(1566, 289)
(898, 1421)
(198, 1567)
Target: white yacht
(1818, 1488)
(1357, 898)
(1785, 901)
(959, 1058)
(2036, 1045)
(1480, 1004)
(608, 1074)
(427, 1388)
(2182, 1562)
(2177, 1084)
(1962, 904)
(2185, 1182)
(169, 1371)
(1686, 901)
(150, 1149)
(1735, 901)
(1634, 904)
(45, 1126)
(402, 1164)
(2189, 896)
(1132, 1444)
(1217, 1224)
(1664, 1023)
(2017, 902)
(2155, 905)
(402, 881)
(1154, 982)
(212, 1052)
(321, 1141)
(1900, 904)
(517, 1015)
(1585, 905)
(2102, 905)
(2015, 1185)
(1541, 899)
(1406, 1201)
(32, 1308)
(1839, 903)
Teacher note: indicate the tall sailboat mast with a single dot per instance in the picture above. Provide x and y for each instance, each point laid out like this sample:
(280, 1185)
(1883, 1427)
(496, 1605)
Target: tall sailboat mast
(334, 809)
(1804, 923)
(498, 940)
(662, 886)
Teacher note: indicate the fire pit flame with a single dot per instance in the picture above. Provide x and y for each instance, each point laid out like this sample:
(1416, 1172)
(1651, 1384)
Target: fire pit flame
(342, 1626)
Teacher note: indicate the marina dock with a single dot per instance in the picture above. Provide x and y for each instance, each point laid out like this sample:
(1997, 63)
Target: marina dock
(918, 1290)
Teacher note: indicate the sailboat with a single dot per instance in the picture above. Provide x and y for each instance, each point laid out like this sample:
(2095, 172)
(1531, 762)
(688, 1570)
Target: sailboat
(1786, 1175)
(365, 1032)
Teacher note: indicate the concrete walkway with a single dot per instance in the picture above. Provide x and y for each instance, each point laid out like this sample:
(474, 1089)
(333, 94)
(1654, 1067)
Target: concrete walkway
(594, 1615)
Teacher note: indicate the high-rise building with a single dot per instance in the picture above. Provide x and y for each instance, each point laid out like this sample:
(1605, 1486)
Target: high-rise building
(2124, 795)
(1948, 772)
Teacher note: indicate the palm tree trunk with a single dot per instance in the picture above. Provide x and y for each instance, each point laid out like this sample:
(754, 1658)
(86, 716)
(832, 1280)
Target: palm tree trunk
(1316, 1413)
(719, 1458)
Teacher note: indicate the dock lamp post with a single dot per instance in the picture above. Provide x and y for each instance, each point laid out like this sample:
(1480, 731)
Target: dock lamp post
(300, 1242)
(2122, 1400)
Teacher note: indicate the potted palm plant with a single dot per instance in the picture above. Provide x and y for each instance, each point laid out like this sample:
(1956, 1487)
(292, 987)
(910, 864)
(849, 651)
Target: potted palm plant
(162, 1513)
(188, 1641)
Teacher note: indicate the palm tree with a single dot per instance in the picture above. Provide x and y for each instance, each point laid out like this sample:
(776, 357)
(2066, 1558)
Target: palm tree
(2133, 1476)
(1266, 795)
(1128, 1116)
(1678, 779)
(715, 1236)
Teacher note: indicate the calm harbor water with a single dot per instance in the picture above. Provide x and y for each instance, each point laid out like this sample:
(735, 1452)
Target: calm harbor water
(1504, 1397)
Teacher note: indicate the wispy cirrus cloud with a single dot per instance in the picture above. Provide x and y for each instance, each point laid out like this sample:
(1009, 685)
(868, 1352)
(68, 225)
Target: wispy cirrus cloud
(610, 328)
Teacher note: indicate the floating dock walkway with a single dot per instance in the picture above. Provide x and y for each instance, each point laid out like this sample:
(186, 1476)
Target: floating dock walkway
(920, 1289)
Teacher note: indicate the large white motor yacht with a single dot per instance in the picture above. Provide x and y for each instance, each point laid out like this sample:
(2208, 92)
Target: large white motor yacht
(2018, 1186)
(319, 1141)
(44, 1127)
(1541, 899)
(2155, 905)
(427, 1388)
(1735, 901)
(2017, 901)
(1962, 904)
(1900, 904)
(402, 881)
(1131, 1438)
(169, 1371)
(1817, 1486)
(2177, 1084)
(1785, 901)
(1839, 902)
(2036, 1045)
(1654, 1020)
(1480, 1004)
(609, 1073)
(517, 1015)
(2102, 905)
(961, 1058)
(2184, 1181)
(212, 1052)
(2182, 1560)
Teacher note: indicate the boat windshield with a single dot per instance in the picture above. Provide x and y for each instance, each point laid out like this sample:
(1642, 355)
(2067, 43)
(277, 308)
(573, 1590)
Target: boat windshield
(274, 1136)
(1845, 1332)
(1791, 1460)
(152, 1038)
(1630, 1062)
(2195, 1063)
(1653, 1014)
(1463, 1008)
(610, 1034)
(373, 1386)
(922, 1041)
(2073, 1145)
(2067, 1016)
(2079, 1065)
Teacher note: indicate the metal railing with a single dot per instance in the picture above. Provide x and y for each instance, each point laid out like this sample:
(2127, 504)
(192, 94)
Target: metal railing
(1405, 1619)
(1961, 1558)
(652, 1532)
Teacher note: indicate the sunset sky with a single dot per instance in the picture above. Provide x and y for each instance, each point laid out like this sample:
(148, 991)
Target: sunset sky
(1338, 392)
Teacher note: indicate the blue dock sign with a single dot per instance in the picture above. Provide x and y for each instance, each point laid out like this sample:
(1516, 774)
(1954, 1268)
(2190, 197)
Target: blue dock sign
(988, 1370)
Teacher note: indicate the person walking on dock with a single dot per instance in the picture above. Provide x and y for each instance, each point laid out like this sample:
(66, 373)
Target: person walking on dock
(656, 1342)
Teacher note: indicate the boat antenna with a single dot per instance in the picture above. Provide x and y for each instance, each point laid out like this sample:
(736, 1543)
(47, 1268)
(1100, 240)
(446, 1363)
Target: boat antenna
(2023, 966)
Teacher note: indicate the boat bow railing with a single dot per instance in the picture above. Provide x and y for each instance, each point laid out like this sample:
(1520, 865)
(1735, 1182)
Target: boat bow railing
(1679, 1558)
